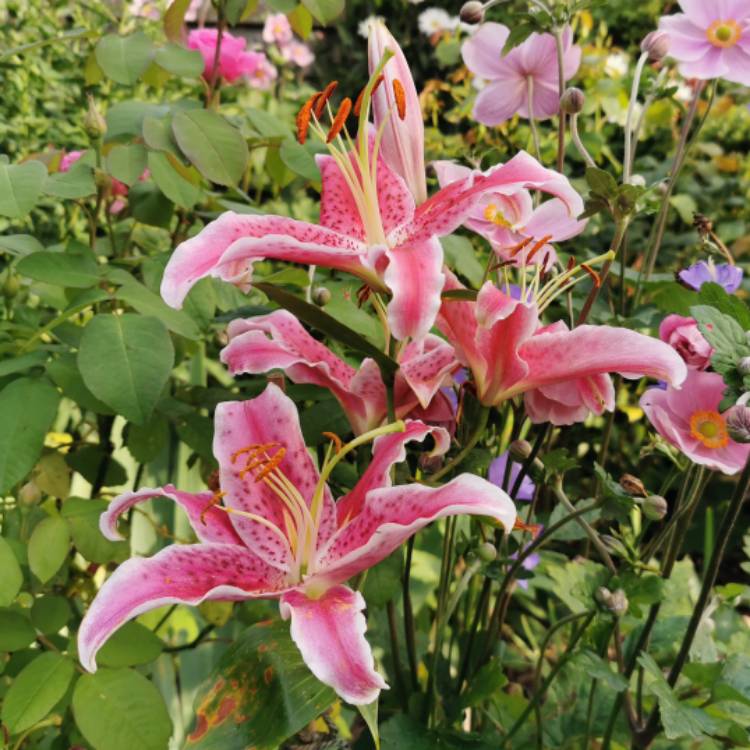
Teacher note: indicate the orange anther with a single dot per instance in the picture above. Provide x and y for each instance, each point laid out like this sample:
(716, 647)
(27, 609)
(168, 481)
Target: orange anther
(571, 263)
(340, 120)
(303, 117)
(400, 96)
(539, 245)
(213, 501)
(520, 525)
(323, 97)
(272, 464)
(594, 275)
(332, 436)
(521, 245)
(358, 103)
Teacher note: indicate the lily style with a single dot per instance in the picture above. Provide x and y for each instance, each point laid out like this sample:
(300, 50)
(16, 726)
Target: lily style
(500, 340)
(516, 230)
(274, 531)
(278, 341)
(370, 225)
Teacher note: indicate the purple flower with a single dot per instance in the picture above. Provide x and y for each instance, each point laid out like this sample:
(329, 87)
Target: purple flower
(529, 563)
(725, 275)
(497, 473)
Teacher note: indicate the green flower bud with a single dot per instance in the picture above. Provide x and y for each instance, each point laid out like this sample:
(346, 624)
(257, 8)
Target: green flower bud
(321, 296)
(572, 101)
(655, 507)
(93, 122)
(487, 552)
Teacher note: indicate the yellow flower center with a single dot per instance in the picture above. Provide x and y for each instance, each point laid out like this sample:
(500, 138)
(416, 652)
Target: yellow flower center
(493, 214)
(710, 428)
(724, 33)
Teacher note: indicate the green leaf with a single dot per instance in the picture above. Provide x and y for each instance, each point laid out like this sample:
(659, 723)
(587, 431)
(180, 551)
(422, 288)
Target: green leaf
(238, 10)
(383, 582)
(12, 577)
(180, 61)
(490, 678)
(596, 668)
(327, 324)
(28, 407)
(83, 520)
(146, 442)
(24, 362)
(77, 182)
(37, 689)
(174, 19)
(301, 21)
(20, 244)
(127, 162)
(125, 361)
(132, 644)
(460, 255)
(520, 32)
(149, 205)
(716, 296)
(48, 547)
(20, 187)
(217, 149)
(266, 125)
(325, 11)
(601, 183)
(369, 713)
(67, 377)
(678, 718)
(50, 614)
(157, 133)
(282, 6)
(16, 631)
(62, 269)
(119, 709)
(724, 334)
(299, 159)
(260, 676)
(126, 118)
(124, 59)
(171, 182)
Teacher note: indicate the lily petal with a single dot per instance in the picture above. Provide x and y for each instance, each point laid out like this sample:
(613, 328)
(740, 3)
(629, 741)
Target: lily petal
(403, 140)
(228, 246)
(270, 418)
(330, 633)
(388, 450)
(209, 523)
(389, 516)
(179, 574)
(425, 365)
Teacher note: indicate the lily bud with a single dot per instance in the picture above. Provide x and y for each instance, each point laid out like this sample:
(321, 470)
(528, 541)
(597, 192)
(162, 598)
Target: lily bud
(321, 296)
(632, 485)
(655, 507)
(94, 123)
(472, 12)
(738, 423)
(487, 552)
(572, 101)
(520, 450)
(656, 44)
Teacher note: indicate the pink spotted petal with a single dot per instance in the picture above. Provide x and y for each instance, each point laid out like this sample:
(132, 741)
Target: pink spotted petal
(388, 450)
(391, 515)
(330, 633)
(228, 247)
(209, 523)
(403, 140)
(425, 365)
(269, 418)
(178, 574)
(415, 277)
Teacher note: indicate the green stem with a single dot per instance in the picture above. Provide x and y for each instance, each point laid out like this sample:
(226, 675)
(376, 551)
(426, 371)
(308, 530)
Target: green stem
(474, 438)
(409, 629)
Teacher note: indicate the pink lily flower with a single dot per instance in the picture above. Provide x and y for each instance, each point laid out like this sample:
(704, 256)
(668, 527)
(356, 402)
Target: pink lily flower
(403, 139)
(528, 71)
(500, 340)
(690, 420)
(278, 341)
(711, 39)
(684, 336)
(369, 225)
(279, 534)
(511, 224)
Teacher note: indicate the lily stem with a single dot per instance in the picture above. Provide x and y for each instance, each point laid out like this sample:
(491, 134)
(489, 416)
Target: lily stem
(458, 459)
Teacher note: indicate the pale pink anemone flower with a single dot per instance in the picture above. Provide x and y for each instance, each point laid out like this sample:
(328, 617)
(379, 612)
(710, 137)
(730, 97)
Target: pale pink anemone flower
(274, 531)
(500, 340)
(277, 29)
(369, 226)
(234, 61)
(516, 230)
(264, 75)
(298, 53)
(711, 39)
(684, 336)
(278, 341)
(690, 420)
(530, 66)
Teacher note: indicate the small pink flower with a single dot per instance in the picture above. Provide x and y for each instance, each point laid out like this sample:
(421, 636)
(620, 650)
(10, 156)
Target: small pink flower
(297, 53)
(264, 74)
(711, 39)
(277, 30)
(507, 91)
(234, 61)
(69, 159)
(508, 219)
(683, 335)
(690, 420)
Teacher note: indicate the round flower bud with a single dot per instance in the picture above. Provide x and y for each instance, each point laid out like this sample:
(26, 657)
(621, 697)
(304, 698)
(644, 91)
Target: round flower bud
(25, 600)
(602, 595)
(93, 123)
(520, 450)
(656, 45)
(654, 507)
(744, 366)
(11, 285)
(618, 603)
(29, 494)
(738, 423)
(472, 12)
(487, 552)
(321, 296)
(572, 101)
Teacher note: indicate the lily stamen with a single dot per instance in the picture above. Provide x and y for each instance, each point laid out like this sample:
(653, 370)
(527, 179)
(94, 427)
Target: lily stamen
(340, 120)
(335, 439)
(400, 96)
(323, 97)
(537, 247)
(594, 275)
(303, 117)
